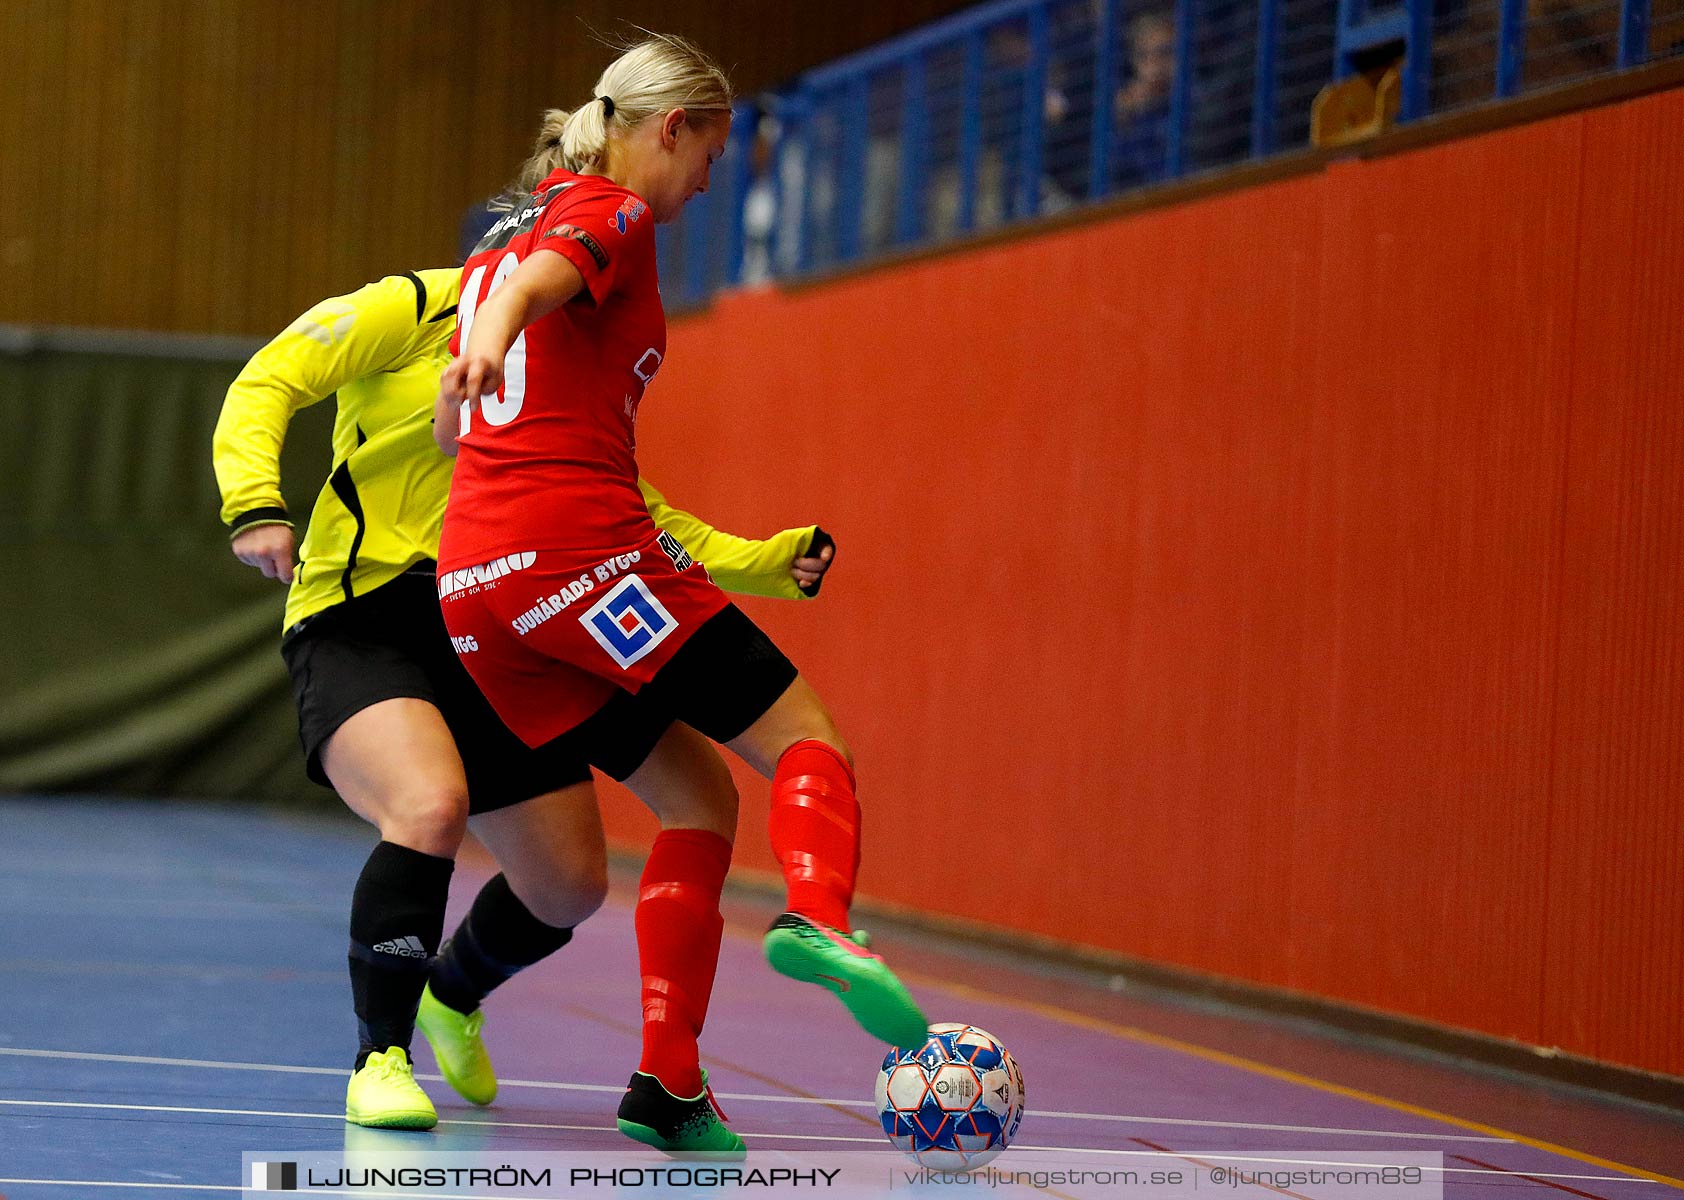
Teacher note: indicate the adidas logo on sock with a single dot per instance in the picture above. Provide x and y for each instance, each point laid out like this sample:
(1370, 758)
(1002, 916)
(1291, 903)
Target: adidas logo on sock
(405, 947)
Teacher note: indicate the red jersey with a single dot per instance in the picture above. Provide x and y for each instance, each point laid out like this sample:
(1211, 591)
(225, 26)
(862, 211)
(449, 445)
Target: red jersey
(548, 462)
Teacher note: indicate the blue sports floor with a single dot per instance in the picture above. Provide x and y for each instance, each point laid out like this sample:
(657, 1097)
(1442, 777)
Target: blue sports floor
(175, 994)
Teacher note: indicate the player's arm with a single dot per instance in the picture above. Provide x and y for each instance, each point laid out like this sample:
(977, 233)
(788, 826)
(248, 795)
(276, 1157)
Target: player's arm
(788, 565)
(542, 283)
(570, 262)
(337, 341)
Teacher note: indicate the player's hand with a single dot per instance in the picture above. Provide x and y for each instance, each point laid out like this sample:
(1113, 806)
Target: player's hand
(465, 380)
(447, 422)
(269, 548)
(808, 570)
(470, 376)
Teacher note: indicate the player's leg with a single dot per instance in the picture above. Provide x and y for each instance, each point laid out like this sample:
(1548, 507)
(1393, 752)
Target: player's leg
(535, 810)
(683, 780)
(533, 681)
(395, 764)
(552, 853)
(687, 785)
(371, 730)
(815, 816)
(814, 827)
(554, 875)
(732, 683)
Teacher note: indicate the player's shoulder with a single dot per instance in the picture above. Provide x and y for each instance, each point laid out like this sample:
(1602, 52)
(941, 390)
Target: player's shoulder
(597, 193)
(388, 298)
(414, 298)
(371, 309)
(394, 306)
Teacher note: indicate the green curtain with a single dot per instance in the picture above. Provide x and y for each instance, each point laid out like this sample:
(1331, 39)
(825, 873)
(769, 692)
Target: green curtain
(138, 655)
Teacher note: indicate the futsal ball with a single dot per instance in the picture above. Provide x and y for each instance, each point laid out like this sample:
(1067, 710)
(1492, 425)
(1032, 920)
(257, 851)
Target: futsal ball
(953, 1103)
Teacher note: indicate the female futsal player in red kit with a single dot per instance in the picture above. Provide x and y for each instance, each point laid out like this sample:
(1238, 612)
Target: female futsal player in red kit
(579, 619)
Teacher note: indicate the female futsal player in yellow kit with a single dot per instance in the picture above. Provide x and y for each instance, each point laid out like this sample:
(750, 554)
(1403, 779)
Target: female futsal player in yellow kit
(387, 714)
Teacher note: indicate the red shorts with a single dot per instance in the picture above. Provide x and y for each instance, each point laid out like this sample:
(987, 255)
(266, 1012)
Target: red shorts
(550, 637)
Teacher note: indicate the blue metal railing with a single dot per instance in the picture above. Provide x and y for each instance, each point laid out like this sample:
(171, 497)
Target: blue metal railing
(1014, 109)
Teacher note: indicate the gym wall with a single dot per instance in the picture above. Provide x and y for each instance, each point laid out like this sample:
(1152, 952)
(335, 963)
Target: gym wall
(214, 166)
(1283, 586)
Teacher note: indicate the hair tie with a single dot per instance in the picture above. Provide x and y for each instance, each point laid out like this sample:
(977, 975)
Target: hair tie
(554, 142)
(607, 106)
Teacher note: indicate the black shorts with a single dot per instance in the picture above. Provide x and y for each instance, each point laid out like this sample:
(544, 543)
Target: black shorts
(389, 643)
(721, 681)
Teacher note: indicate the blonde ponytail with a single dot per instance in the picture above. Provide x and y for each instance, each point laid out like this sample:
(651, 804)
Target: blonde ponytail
(584, 138)
(654, 76)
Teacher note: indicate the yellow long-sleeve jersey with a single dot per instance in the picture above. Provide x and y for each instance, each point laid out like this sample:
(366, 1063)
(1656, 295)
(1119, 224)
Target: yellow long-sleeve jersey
(382, 349)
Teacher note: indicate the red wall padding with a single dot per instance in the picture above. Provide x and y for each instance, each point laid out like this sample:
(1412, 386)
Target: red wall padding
(1284, 585)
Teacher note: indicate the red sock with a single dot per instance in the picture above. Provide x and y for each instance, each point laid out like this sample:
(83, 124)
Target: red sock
(678, 930)
(815, 830)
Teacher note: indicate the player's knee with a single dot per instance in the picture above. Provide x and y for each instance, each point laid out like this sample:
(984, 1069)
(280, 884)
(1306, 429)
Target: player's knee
(727, 802)
(813, 723)
(713, 804)
(722, 792)
(829, 737)
(590, 891)
(431, 819)
(569, 894)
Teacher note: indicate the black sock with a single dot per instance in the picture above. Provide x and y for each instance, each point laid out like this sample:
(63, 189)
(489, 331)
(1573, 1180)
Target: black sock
(397, 918)
(498, 937)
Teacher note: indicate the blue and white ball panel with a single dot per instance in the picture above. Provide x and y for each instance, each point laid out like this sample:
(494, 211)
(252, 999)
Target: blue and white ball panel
(628, 622)
(954, 1102)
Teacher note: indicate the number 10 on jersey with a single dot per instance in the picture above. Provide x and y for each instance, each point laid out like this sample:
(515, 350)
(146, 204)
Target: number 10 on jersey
(498, 410)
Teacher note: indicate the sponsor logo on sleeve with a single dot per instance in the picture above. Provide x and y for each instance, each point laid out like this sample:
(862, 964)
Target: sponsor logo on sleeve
(631, 208)
(597, 253)
(628, 622)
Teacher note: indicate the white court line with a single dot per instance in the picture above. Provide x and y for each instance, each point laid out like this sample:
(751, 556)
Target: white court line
(1190, 1122)
(308, 1116)
(150, 1061)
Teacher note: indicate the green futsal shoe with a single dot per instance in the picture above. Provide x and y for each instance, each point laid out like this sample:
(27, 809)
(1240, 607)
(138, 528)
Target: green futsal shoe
(456, 1044)
(384, 1094)
(813, 953)
(654, 1116)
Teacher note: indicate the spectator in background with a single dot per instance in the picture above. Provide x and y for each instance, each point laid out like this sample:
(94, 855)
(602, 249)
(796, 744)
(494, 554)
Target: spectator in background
(1067, 108)
(1140, 108)
(760, 200)
(1139, 105)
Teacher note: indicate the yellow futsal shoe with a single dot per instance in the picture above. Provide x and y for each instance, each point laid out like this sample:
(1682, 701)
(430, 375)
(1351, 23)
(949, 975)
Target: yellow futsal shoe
(456, 1044)
(384, 1094)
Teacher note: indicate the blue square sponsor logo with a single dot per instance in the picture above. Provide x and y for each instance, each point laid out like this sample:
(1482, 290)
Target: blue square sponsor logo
(628, 622)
